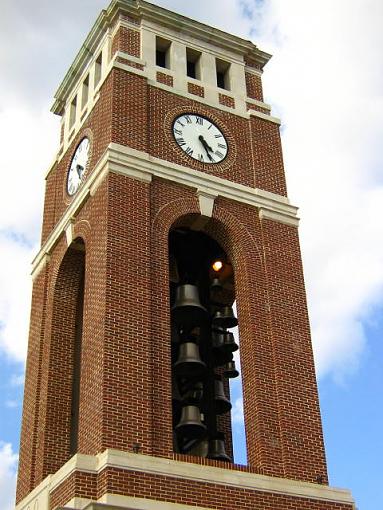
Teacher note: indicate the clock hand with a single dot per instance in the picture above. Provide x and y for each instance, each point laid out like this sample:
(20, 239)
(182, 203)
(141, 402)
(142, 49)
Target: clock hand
(80, 170)
(206, 146)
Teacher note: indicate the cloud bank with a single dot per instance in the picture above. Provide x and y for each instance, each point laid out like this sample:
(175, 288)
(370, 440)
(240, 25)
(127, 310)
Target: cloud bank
(8, 464)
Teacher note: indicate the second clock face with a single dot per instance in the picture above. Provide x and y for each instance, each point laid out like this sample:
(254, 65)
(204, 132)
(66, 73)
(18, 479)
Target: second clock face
(77, 166)
(200, 138)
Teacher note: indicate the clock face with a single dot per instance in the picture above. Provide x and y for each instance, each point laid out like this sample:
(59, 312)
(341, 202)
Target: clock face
(77, 166)
(200, 138)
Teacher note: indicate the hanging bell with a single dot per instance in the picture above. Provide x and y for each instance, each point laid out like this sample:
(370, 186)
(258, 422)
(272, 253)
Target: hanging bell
(222, 404)
(221, 357)
(224, 340)
(217, 449)
(224, 318)
(190, 424)
(215, 285)
(192, 393)
(189, 363)
(230, 371)
(197, 448)
(187, 311)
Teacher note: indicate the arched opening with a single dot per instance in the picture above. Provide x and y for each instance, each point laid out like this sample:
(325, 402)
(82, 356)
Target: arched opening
(65, 358)
(202, 293)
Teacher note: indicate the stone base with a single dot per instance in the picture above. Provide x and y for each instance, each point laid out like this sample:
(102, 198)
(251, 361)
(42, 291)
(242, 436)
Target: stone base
(115, 480)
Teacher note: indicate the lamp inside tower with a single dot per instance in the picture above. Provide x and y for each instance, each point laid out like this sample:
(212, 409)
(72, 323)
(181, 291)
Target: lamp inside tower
(201, 294)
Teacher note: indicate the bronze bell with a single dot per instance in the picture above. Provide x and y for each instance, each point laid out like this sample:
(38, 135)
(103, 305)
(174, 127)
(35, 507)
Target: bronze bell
(222, 404)
(215, 285)
(192, 393)
(217, 449)
(230, 371)
(190, 424)
(198, 448)
(224, 340)
(225, 318)
(189, 363)
(187, 311)
(221, 357)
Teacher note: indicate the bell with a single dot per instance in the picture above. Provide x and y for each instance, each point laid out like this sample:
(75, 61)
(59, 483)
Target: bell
(221, 357)
(217, 449)
(187, 311)
(197, 448)
(222, 404)
(190, 424)
(224, 318)
(230, 371)
(215, 285)
(224, 340)
(189, 363)
(193, 394)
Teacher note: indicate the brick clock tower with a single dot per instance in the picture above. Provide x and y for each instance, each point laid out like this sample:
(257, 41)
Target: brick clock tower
(166, 204)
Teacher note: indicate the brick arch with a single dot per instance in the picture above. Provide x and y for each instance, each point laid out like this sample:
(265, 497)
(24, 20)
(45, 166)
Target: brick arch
(257, 355)
(63, 349)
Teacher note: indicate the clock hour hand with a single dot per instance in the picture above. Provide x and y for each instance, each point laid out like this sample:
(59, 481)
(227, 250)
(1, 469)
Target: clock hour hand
(80, 170)
(206, 146)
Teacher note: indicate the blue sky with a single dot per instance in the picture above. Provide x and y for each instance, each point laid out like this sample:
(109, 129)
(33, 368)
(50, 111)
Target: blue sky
(325, 81)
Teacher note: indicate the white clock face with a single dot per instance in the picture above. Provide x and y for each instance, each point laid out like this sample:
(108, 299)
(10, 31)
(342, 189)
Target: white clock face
(77, 166)
(200, 138)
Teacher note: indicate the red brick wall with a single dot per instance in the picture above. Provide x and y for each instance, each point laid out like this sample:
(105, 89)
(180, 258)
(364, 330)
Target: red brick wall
(30, 422)
(128, 41)
(254, 86)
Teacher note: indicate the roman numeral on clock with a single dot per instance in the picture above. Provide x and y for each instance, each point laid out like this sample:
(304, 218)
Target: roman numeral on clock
(222, 146)
(189, 151)
(177, 132)
(218, 154)
(180, 141)
(199, 120)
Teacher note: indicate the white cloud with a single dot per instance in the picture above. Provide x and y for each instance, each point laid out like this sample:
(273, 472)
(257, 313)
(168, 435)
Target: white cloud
(12, 404)
(17, 380)
(8, 465)
(325, 80)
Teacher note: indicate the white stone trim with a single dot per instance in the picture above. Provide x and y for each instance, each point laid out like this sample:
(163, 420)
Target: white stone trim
(131, 503)
(206, 202)
(40, 264)
(140, 166)
(264, 116)
(182, 470)
(261, 104)
(69, 231)
(279, 217)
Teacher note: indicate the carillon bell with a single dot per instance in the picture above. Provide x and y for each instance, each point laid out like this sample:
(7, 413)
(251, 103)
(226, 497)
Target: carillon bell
(190, 424)
(225, 318)
(222, 404)
(217, 449)
(215, 285)
(224, 340)
(230, 371)
(187, 311)
(193, 394)
(189, 363)
(198, 448)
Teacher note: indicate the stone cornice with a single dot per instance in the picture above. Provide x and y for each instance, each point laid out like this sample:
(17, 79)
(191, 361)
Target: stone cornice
(143, 167)
(158, 466)
(142, 10)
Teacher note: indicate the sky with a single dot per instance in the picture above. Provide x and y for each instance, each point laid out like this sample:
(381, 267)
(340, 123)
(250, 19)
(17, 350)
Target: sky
(325, 81)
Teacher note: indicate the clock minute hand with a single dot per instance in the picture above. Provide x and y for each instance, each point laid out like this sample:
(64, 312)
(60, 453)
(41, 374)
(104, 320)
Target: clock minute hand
(206, 146)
